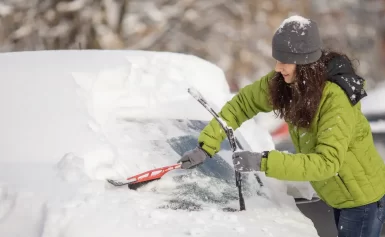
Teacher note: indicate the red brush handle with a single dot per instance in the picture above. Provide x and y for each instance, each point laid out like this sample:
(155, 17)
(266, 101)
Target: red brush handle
(152, 174)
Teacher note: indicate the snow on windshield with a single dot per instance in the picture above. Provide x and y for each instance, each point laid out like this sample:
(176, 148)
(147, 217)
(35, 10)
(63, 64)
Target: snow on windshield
(71, 119)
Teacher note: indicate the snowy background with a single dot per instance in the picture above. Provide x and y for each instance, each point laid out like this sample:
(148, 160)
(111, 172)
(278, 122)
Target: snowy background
(235, 35)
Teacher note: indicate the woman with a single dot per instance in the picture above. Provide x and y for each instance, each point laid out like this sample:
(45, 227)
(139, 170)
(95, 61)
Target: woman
(318, 94)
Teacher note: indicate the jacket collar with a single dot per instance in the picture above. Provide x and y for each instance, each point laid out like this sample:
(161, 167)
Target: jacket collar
(341, 72)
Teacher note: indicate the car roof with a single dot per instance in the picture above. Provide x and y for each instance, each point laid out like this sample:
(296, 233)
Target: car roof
(154, 73)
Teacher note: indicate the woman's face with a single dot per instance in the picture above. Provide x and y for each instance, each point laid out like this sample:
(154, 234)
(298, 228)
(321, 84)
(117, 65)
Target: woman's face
(287, 71)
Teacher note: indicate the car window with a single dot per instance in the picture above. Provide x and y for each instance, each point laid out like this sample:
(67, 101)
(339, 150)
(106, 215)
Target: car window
(217, 166)
(180, 135)
(194, 190)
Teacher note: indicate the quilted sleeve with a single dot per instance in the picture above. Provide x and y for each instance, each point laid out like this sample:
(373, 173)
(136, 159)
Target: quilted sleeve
(249, 101)
(335, 129)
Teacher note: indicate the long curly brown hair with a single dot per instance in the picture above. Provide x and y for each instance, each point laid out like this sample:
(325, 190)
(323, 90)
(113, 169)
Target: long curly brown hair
(298, 102)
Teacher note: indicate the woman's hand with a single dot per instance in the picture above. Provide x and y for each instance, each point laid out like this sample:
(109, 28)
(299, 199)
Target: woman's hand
(192, 158)
(246, 161)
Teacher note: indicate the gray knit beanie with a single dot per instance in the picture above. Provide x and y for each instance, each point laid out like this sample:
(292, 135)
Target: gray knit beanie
(297, 41)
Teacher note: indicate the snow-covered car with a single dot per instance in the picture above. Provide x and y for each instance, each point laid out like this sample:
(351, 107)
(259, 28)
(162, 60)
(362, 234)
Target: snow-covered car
(72, 119)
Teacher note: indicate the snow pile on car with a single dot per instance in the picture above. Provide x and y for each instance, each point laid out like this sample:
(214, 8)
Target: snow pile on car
(64, 130)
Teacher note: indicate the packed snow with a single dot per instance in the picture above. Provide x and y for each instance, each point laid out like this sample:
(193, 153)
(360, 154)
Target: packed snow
(72, 119)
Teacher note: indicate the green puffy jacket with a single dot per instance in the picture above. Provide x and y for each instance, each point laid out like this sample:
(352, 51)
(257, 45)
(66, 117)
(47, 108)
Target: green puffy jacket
(337, 154)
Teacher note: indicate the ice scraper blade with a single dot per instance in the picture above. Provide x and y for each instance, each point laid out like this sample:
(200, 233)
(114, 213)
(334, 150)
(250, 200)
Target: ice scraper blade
(139, 180)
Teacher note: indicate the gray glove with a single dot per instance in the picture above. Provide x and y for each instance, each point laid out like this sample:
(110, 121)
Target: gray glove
(245, 161)
(192, 158)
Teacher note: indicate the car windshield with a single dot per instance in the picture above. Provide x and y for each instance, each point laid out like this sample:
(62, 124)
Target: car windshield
(211, 182)
(217, 167)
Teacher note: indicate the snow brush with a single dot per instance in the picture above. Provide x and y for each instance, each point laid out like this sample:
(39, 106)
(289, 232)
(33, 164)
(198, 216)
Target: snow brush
(141, 179)
(230, 135)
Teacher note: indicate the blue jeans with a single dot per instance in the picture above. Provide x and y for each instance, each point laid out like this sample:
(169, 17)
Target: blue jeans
(363, 221)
